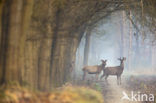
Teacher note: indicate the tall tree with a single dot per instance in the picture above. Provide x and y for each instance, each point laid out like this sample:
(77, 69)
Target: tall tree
(87, 45)
(130, 45)
(15, 21)
(122, 24)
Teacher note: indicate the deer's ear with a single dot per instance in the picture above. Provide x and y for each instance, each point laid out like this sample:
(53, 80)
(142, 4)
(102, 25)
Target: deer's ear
(102, 60)
(105, 60)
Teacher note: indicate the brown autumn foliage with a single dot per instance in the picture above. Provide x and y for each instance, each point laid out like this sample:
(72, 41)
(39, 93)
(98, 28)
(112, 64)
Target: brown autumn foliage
(65, 94)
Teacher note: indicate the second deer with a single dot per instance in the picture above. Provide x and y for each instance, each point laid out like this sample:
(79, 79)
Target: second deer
(117, 70)
(96, 69)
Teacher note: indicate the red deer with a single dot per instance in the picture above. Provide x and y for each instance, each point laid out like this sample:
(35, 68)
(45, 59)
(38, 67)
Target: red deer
(94, 69)
(117, 70)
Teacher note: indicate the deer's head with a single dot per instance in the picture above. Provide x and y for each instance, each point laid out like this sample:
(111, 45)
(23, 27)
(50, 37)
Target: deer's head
(122, 59)
(104, 62)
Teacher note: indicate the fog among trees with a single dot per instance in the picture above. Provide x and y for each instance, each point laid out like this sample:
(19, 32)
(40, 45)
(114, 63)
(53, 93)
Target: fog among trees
(42, 42)
(118, 37)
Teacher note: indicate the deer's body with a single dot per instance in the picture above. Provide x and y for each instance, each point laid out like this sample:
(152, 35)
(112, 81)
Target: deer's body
(96, 69)
(93, 69)
(113, 70)
(117, 71)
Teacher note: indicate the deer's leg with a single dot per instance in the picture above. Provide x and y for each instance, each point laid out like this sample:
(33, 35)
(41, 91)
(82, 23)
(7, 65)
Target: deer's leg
(117, 80)
(102, 76)
(97, 75)
(120, 79)
(84, 75)
(106, 78)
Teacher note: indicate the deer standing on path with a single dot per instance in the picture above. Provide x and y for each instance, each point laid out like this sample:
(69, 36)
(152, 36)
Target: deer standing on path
(117, 70)
(94, 69)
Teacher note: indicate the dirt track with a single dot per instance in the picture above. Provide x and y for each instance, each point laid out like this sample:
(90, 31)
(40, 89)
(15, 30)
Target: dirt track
(113, 93)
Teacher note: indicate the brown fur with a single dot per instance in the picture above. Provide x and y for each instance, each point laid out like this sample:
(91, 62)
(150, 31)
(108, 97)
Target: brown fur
(94, 69)
(117, 70)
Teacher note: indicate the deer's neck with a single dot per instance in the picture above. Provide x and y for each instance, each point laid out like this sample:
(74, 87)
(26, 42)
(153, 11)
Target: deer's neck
(101, 66)
(122, 65)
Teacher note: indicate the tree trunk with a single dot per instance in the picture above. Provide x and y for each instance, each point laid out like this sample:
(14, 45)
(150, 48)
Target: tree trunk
(130, 46)
(137, 51)
(15, 22)
(11, 30)
(44, 65)
(1, 9)
(64, 55)
(39, 40)
(26, 17)
(31, 63)
(122, 35)
(86, 48)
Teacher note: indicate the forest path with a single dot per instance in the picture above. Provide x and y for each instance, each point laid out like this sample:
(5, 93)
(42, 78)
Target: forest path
(113, 93)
